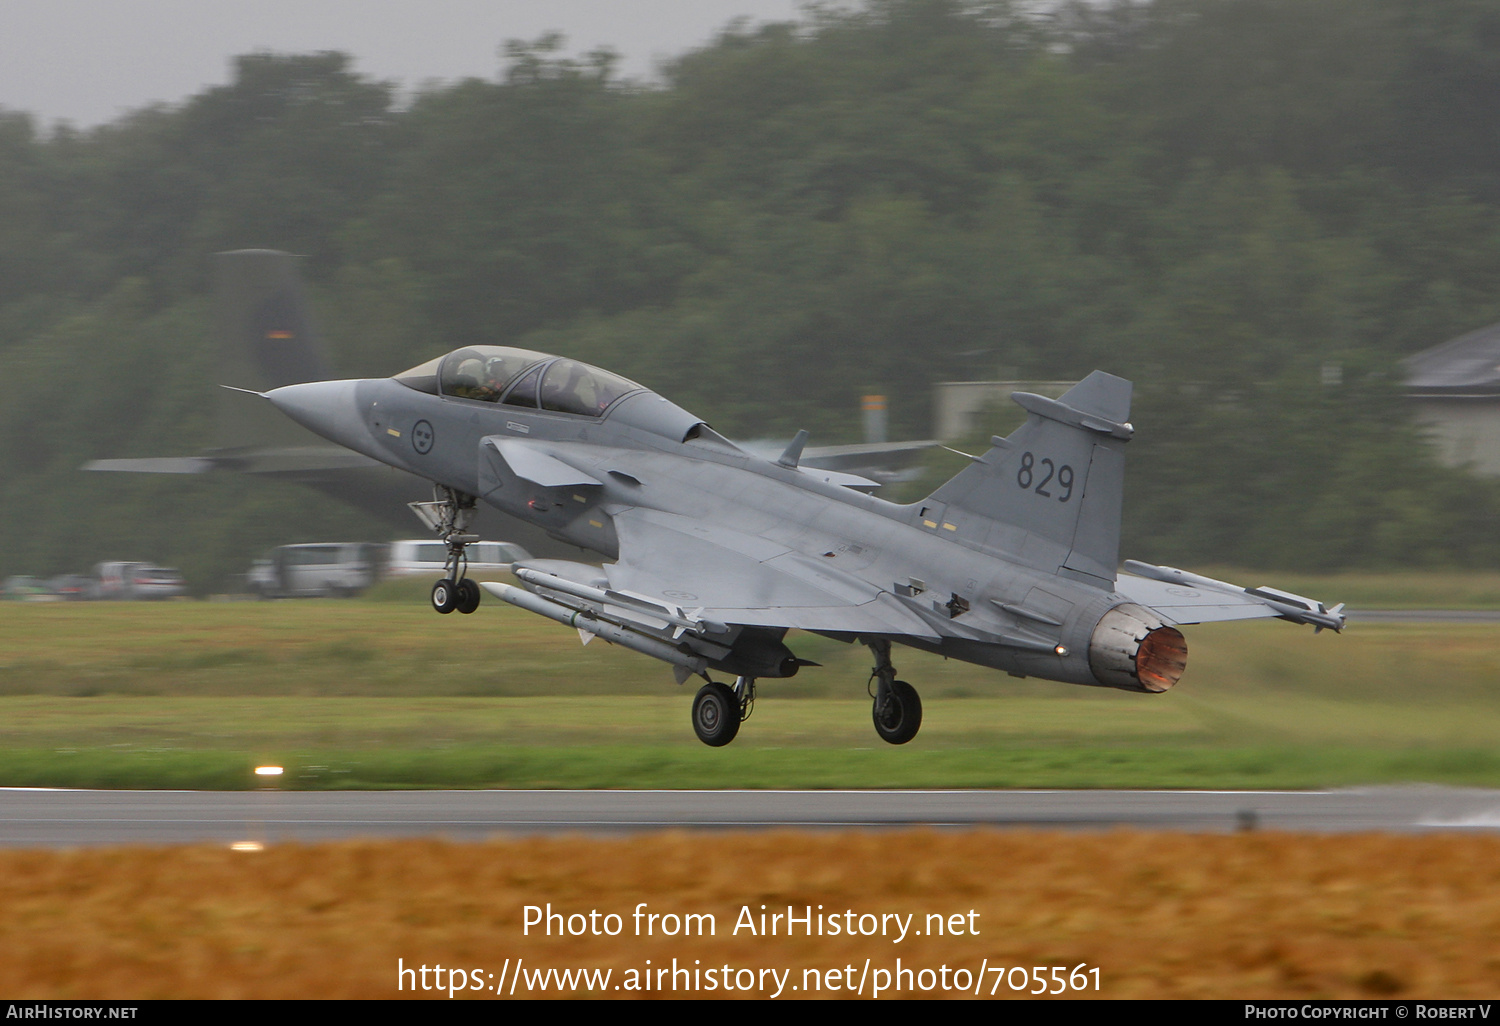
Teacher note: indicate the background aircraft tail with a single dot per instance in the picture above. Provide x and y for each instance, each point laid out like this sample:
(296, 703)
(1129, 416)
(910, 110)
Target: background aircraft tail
(265, 340)
(1051, 493)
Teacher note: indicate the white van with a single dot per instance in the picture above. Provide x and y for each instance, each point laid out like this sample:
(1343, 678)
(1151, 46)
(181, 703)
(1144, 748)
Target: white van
(134, 581)
(315, 570)
(425, 557)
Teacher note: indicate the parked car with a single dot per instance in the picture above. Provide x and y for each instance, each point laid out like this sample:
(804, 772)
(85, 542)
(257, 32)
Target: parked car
(25, 588)
(70, 587)
(135, 582)
(315, 569)
(424, 557)
(157, 582)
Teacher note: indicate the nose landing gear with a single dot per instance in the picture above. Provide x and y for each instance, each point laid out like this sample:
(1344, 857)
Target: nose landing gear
(449, 514)
(462, 595)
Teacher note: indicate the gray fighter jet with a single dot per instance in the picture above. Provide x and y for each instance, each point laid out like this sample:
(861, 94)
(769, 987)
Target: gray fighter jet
(712, 554)
(264, 333)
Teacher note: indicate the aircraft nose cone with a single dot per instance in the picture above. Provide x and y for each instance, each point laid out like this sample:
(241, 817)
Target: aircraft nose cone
(324, 407)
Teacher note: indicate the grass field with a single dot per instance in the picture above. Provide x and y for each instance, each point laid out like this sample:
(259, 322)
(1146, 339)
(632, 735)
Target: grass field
(384, 693)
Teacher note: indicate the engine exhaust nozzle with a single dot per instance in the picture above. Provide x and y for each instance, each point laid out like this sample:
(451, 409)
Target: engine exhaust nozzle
(1133, 650)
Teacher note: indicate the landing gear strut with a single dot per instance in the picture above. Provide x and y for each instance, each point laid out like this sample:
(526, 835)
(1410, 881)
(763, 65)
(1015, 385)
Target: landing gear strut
(897, 710)
(449, 515)
(718, 710)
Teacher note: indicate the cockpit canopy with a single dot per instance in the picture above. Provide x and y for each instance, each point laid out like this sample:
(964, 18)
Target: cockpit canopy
(520, 377)
(538, 381)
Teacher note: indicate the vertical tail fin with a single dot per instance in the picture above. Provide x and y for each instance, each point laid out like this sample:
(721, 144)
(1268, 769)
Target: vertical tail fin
(1050, 495)
(265, 340)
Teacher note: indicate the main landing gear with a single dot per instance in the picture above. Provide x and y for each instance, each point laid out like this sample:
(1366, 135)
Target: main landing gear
(897, 711)
(449, 514)
(718, 710)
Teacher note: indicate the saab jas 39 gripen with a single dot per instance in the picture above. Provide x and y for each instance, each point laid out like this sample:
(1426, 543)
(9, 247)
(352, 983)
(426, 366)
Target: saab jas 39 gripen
(711, 555)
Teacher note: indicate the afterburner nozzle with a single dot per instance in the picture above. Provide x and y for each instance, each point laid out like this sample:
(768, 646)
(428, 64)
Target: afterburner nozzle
(1133, 650)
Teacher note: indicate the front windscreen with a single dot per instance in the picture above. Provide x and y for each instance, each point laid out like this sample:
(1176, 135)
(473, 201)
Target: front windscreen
(424, 378)
(484, 372)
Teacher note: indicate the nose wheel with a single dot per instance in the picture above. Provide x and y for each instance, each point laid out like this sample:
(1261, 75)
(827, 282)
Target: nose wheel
(449, 515)
(462, 595)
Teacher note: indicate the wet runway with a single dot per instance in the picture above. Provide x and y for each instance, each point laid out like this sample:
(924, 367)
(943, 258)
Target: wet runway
(66, 818)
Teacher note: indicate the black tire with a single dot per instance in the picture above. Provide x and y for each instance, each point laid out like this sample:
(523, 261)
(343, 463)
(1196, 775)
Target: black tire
(901, 717)
(716, 715)
(468, 595)
(444, 596)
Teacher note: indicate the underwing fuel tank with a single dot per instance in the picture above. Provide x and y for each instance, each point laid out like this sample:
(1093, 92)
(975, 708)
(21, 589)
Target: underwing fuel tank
(1133, 650)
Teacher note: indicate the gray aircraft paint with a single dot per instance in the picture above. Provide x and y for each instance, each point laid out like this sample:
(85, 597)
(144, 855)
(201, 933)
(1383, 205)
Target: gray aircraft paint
(1011, 564)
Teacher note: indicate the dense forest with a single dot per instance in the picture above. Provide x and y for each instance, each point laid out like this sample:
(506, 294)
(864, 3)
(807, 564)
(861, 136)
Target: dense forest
(1214, 198)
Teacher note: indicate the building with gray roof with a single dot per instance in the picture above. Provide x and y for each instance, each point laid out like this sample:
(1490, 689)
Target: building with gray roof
(1455, 388)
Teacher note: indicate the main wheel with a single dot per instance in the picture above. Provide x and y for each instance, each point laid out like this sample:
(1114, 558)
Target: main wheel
(468, 595)
(716, 715)
(444, 596)
(898, 720)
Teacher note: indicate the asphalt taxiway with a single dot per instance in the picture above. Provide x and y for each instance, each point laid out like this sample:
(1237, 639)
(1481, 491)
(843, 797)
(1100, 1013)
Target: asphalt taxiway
(43, 818)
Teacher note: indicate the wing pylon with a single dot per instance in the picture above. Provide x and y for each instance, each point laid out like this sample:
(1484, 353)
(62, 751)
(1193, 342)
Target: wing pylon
(1184, 597)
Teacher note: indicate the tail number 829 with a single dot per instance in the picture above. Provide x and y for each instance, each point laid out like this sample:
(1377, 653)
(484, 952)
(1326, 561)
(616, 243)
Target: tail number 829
(1045, 478)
